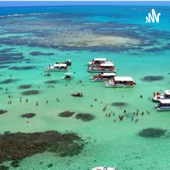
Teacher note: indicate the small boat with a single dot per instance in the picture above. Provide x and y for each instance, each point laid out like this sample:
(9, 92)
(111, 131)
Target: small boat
(77, 94)
(161, 96)
(67, 62)
(47, 74)
(56, 68)
(102, 77)
(104, 168)
(98, 61)
(164, 105)
(68, 76)
(120, 82)
(105, 68)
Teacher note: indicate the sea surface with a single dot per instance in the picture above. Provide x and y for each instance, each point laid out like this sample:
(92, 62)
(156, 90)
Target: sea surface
(33, 38)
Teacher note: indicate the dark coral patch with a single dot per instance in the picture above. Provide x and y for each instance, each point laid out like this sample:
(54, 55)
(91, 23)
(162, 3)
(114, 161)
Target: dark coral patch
(28, 115)
(152, 49)
(25, 86)
(51, 82)
(119, 104)
(1, 67)
(37, 53)
(3, 167)
(16, 146)
(15, 163)
(152, 78)
(3, 111)
(152, 133)
(8, 81)
(66, 114)
(6, 50)
(30, 92)
(85, 116)
(22, 68)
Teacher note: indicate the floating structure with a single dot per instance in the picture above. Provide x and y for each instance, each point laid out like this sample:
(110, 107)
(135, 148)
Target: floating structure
(105, 68)
(67, 62)
(120, 82)
(104, 168)
(56, 68)
(68, 76)
(164, 105)
(77, 94)
(102, 77)
(98, 61)
(161, 96)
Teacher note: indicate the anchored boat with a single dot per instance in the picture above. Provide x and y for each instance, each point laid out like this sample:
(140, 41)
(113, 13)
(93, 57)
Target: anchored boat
(68, 76)
(77, 94)
(56, 68)
(120, 82)
(102, 77)
(105, 68)
(161, 96)
(98, 61)
(67, 62)
(164, 105)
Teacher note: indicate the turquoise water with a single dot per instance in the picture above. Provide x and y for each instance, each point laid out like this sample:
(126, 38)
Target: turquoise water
(69, 33)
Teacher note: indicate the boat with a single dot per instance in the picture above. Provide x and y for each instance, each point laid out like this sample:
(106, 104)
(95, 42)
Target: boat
(164, 105)
(104, 168)
(105, 68)
(161, 96)
(67, 62)
(68, 76)
(56, 68)
(77, 94)
(120, 82)
(98, 61)
(47, 74)
(102, 77)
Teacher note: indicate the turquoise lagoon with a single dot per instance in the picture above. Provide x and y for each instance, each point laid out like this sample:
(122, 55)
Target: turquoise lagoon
(72, 33)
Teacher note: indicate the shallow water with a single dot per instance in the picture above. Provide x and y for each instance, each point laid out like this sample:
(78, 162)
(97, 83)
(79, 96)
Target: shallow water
(108, 143)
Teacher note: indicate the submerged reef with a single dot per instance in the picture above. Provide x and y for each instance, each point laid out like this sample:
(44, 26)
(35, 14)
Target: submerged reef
(22, 68)
(152, 133)
(7, 81)
(119, 104)
(6, 58)
(85, 116)
(3, 167)
(3, 111)
(1, 67)
(37, 53)
(16, 146)
(30, 92)
(28, 115)
(6, 50)
(27, 86)
(66, 114)
(51, 82)
(152, 78)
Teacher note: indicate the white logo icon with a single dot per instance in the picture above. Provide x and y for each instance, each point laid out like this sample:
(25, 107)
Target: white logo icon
(153, 17)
